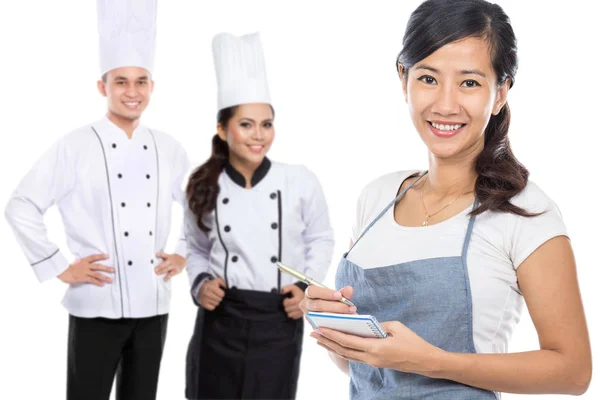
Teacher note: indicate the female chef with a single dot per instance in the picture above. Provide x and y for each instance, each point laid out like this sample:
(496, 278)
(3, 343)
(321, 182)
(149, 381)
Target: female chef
(244, 214)
(449, 256)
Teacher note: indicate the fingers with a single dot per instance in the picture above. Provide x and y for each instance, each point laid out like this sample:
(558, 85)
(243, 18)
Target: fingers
(291, 301)
(162, 255)
(168, 268)
(291, 307)
(221, 283)
(101, 267)
(215, 287)
(214, 292)
(209, 304)
(163, 268)
(93, 281)
(345, 352)
(327, 300)
(209, 290)
(100, 277)
(295, 314)
(211, 296)
(171, 274)
(315, 292)
(329, 306)
(296, 293)
(344, 340)
(95, 257)
(288, 289)
(217, 291)
(347, 292)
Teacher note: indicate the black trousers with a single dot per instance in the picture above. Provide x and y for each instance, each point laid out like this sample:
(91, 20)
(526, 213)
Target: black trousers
(247, 348)
(99, 348)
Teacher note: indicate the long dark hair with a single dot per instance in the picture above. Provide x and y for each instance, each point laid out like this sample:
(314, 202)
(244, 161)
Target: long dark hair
(435, 23)
(203, 186)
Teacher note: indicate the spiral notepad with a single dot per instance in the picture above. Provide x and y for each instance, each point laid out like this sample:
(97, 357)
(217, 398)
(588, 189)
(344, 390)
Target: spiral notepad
(354, 324)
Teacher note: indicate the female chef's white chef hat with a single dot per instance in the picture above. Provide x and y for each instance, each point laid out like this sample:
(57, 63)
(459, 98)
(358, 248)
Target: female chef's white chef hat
(127, 30)
(240, 68)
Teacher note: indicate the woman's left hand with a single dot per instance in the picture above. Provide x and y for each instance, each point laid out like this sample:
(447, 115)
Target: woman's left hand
(402, 350)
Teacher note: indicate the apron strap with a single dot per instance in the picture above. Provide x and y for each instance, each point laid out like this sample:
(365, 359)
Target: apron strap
(384, 211)
(469, 234)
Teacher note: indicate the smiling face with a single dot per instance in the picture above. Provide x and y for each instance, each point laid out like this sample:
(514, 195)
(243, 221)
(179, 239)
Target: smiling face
(249, 135)
(127, 91)
(451, 96)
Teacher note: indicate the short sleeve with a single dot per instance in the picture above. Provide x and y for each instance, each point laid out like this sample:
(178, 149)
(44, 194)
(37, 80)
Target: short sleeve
(529, 233)
(374, 197)
(358, 225)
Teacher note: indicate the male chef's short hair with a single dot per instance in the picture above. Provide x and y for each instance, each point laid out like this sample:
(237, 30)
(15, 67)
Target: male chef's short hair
(105, 76)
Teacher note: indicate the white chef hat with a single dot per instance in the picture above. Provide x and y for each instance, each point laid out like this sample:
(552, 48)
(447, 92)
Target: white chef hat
(240, 68)
(127, 30)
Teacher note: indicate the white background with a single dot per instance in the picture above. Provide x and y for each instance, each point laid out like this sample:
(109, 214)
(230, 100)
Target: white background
(340, 111)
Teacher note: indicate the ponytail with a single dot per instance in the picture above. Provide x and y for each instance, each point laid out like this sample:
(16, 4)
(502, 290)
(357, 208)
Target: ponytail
(203, 186)
(500, 176)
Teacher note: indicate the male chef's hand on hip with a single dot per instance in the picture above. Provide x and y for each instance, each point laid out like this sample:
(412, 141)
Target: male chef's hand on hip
(211, 293)
(172, 265)
(291, 304)
(85, 271)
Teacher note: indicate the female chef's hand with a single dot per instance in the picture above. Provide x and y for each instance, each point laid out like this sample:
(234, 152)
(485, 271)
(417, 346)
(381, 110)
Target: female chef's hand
(211, 293)
(85, 271)
(172, 265)
(327, 300)
(291, 304)
(402, 350)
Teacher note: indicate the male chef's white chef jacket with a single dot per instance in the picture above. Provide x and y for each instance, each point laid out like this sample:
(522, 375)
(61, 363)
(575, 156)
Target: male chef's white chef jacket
(115, 196)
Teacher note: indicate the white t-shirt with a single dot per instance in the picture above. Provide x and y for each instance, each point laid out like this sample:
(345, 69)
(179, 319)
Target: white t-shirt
(499, 244)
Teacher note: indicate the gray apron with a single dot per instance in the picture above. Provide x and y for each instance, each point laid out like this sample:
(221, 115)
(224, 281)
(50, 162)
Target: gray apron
(432, 297)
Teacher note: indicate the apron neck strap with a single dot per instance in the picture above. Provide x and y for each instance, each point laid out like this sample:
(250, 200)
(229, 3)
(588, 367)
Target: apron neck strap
(469, 232)
(385, 210)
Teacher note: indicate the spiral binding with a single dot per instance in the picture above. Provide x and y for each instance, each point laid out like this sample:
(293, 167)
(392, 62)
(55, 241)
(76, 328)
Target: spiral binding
(376, 331)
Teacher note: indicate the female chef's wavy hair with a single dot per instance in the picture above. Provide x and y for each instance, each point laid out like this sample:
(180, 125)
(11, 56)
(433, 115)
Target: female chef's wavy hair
(436, 23)
(203, 187)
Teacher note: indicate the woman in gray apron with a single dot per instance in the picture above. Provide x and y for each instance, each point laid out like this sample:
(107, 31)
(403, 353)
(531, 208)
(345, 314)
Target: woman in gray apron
(447, 257)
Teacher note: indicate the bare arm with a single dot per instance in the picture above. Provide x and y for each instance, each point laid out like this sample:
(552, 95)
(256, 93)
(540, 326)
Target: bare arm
(548, 281)
(341, 363)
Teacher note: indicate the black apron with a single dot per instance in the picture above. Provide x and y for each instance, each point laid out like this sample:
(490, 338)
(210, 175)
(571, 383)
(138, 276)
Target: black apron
(247, 348)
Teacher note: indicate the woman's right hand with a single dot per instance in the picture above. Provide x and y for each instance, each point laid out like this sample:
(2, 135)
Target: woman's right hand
(211, 293)
(320, 299)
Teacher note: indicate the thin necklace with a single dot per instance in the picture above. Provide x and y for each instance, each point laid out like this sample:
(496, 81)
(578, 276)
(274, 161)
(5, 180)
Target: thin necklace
(427, 215)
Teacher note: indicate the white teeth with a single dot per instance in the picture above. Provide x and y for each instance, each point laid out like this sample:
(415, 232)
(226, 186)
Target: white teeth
(443, 127)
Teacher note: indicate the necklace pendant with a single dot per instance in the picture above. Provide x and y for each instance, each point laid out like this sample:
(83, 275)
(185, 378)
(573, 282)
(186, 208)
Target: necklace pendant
(426, 222)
